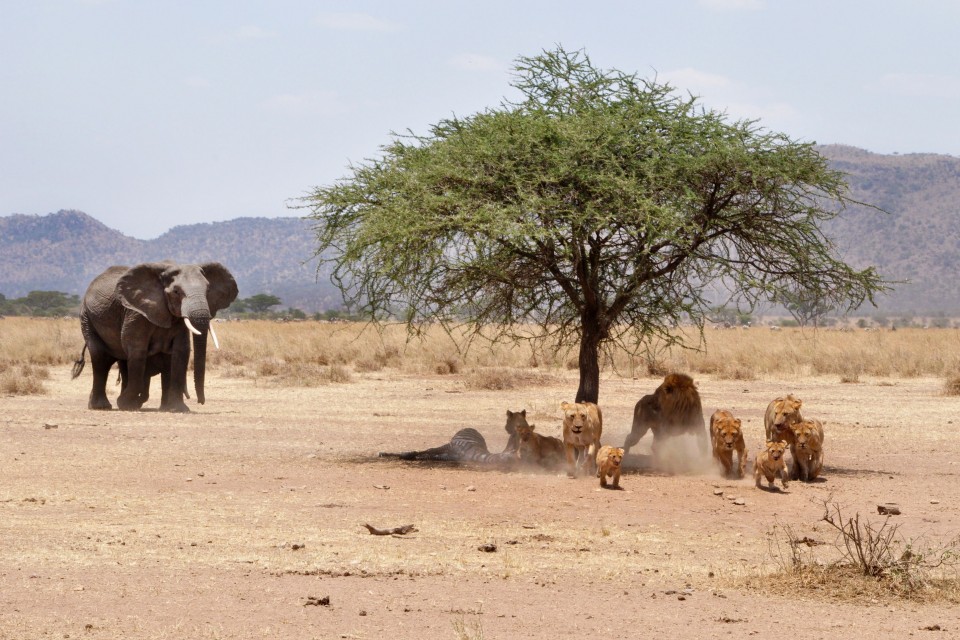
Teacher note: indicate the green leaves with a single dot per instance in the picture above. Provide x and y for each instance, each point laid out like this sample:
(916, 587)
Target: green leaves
(598, 200)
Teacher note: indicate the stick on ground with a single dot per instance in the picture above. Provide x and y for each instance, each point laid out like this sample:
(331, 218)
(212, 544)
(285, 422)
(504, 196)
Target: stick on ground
(396, 531)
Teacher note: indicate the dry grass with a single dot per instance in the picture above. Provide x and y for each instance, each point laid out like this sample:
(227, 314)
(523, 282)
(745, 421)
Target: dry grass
(23, 379)
(502, 378)
(845, 583)
(298, 351)
(867, 561)
(952, 386)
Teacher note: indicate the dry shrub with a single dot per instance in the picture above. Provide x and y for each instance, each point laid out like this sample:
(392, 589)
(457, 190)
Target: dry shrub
(306, 374)
(875, 562)
(368, 365)
(952, 386)
(447, 366)
(271, 367)
(24, 380)
(502, 379)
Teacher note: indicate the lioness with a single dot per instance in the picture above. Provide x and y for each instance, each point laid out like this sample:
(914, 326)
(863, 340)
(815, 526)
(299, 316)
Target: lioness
(771, 464)
(807, 450)
(727, 437)
(515, 419)
(608, 465)
(545, 451)
(781, 415)
(582, 426)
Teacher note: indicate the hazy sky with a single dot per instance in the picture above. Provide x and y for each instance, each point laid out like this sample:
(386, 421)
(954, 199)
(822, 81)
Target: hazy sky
(148, 114)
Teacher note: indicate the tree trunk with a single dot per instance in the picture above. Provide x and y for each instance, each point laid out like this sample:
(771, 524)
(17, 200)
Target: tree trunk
(593, 335)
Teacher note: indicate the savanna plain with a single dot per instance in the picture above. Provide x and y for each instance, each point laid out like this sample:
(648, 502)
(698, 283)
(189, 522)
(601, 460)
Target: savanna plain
(245, 518)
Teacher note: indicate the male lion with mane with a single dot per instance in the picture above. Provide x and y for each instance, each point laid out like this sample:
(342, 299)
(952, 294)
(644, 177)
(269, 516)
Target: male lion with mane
(672, 409)
(582, 426)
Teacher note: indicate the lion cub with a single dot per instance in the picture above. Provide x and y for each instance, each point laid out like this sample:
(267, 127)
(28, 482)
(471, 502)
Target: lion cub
(771, 464)
(727, 437)
(608, 465)
(545, 451)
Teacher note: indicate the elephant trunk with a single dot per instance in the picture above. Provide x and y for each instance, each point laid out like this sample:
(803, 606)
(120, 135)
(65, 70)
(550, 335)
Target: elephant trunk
(196, 313)
(199, 363)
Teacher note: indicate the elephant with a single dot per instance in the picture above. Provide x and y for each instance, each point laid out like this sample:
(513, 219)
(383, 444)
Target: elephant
(141, 317)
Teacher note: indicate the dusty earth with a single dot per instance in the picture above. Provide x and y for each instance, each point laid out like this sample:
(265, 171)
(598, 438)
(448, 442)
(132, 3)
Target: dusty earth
(244, 519)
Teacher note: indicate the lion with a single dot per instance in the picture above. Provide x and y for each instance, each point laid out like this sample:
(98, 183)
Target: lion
(608, 465)
(771, 464)
(582, 426)
(781, 414)
(673, 408)
(514, 419)
(807, 450)
(545, 451)
(727, 436)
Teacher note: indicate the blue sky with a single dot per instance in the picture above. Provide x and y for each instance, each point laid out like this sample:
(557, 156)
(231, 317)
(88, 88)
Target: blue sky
(148, 114)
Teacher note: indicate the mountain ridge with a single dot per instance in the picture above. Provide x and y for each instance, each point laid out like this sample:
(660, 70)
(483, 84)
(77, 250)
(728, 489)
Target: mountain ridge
(914, 238)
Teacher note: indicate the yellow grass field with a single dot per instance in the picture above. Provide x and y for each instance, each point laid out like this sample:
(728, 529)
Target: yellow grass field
(238, 519)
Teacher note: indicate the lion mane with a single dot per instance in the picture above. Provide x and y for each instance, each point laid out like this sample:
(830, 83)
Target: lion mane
(672, 409)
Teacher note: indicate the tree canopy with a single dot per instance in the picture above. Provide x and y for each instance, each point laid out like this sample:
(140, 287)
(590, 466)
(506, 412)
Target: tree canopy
(600, 206)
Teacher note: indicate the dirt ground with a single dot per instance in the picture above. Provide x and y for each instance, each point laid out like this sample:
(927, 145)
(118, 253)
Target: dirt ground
(238, 520)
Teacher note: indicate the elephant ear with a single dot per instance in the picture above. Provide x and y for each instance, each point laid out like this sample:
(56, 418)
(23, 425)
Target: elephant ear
(223, 288)
(141, 290)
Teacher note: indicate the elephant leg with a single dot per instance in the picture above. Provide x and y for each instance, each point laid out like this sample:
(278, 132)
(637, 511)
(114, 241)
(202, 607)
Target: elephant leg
(100, 362)
(174, 376)
(136, 380)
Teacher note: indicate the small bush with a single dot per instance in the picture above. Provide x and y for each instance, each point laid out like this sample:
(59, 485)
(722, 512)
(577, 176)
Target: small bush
(952, 386)
(501, 379)
(337, 373)
(875, 562)
(447, 366)
(24, 380)
(271, 367)
(368, 365)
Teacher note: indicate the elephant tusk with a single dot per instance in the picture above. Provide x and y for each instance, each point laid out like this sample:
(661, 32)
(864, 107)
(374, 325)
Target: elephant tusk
(190, 326)
(213, 335)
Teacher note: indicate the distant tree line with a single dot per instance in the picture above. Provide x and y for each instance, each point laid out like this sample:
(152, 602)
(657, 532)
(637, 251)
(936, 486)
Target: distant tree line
(259, 307)
(46, 304)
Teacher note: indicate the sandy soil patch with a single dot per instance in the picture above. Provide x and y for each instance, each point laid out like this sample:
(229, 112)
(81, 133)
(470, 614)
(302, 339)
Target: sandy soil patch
(237, 520)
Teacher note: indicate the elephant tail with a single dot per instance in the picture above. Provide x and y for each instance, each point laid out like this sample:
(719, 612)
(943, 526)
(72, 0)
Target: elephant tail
(78, 364)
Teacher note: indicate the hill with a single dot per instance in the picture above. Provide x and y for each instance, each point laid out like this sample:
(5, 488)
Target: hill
(914, 240)
(64, 251)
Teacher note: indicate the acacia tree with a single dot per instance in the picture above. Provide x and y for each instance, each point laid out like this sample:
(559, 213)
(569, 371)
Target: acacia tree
(599, 206)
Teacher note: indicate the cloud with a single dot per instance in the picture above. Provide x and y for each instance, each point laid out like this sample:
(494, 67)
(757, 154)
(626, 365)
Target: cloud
(314, 103)
(733, 5)
(252, 32)
(693, 80)
(918, 85)
(474, 62)
(725, 94)
(347, 21)
(773, 114)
